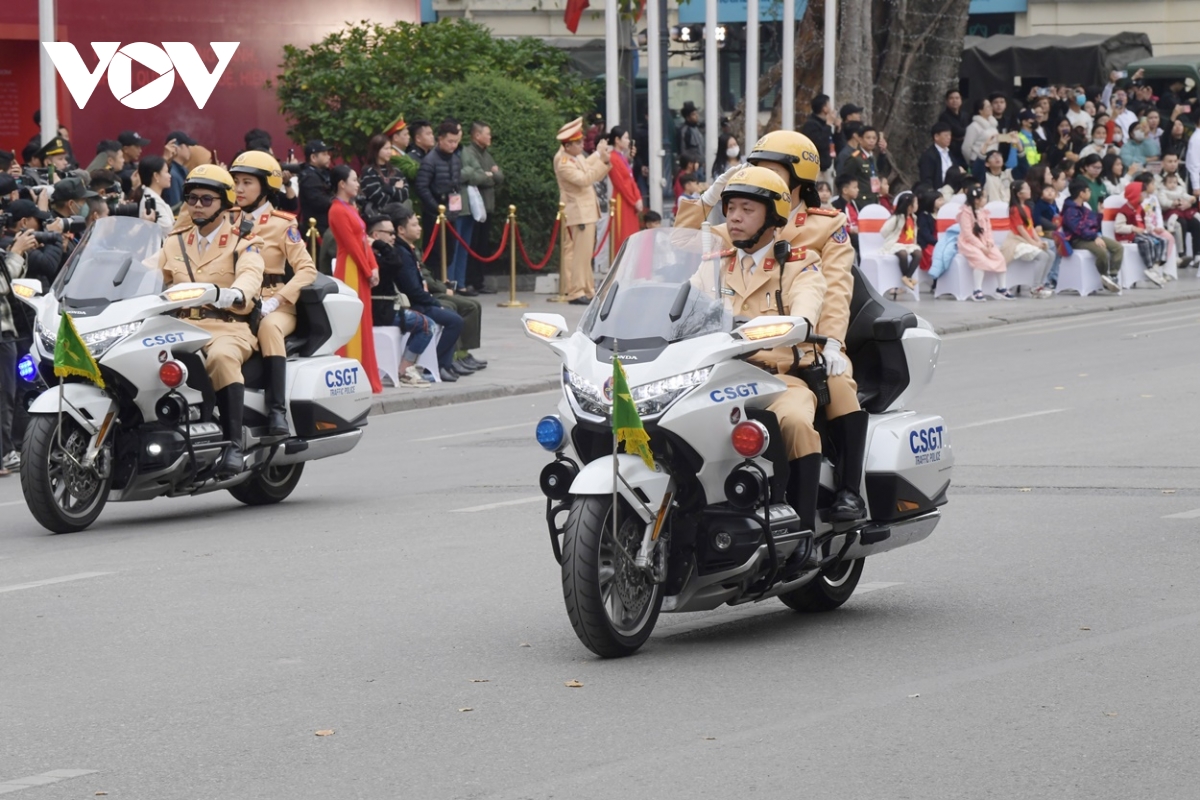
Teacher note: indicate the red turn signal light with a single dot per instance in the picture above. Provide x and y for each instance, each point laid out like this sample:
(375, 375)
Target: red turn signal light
(750, 439)
(172, 374)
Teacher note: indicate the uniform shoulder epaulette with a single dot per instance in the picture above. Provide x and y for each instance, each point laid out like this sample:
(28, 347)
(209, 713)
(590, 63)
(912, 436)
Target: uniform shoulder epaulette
(824, 212)
(798, 254)
(856, 154)
(275, 212)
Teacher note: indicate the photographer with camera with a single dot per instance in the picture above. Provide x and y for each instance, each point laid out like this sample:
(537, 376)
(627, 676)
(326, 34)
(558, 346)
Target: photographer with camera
(15, 329)
(45, 257)
(69, 204)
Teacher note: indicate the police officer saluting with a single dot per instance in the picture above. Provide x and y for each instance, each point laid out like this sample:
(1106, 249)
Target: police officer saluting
(257, 176)
(206, 248)
(576, 176)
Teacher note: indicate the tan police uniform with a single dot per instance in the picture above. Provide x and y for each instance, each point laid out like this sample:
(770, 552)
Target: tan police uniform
(282, 245)
(576, 176)
(213, 261)
(750, 289)
(823, 232)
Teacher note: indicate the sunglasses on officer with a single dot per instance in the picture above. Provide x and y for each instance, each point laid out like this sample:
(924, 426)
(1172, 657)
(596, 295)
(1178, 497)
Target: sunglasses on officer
(202, 200)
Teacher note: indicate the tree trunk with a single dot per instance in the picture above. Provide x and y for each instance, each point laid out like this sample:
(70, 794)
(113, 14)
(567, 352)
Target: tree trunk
(855, 81)
(919, 61)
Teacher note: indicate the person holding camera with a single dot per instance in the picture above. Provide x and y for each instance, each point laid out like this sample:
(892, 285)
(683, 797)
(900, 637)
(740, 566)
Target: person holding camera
(155, 177)
(12, 266)
(45, 257)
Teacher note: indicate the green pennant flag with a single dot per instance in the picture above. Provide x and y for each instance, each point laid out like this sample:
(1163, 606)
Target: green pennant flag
(627, 425)
(71, 355)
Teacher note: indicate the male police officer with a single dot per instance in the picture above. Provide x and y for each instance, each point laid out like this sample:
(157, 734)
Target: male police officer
(316, 195)
(207, 249)
(794, 158)
(576, 176)
(256, 176)
(756, 203)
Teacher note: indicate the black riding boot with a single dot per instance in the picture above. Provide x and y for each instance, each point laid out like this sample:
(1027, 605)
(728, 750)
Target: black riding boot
(849, 434)
(276, 395)
(804, 482)
(231, 401)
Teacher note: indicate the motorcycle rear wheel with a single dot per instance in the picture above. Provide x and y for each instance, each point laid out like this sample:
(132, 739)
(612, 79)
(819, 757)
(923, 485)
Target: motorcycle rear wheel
(271, 485)
(612, 606)
(828, 590)
(62, 496)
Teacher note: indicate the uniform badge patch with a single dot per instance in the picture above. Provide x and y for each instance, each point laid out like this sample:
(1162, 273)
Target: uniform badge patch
(224, 240)
(768, 264)
(293, 235)
(841, 235)
(263, 219)
(800, 219)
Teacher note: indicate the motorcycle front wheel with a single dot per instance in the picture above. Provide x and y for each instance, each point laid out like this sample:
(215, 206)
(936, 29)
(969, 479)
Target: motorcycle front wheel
(63, 495)
(612, 605)
(828, 590)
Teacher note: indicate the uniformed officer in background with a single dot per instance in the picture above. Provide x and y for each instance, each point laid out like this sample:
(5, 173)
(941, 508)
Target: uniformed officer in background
(576, 175)
(206, 248)
(794, 158)
(756, 203)
(257, 177)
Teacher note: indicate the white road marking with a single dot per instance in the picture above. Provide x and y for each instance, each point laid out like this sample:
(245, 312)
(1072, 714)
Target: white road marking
(752, 611)
(1136, 334)
(998, 420)
(44, 779)
(1193, 514)
(50, 581)
(530, 425)
(490, 506)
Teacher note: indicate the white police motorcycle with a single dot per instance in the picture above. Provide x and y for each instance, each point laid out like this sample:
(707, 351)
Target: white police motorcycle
(151, 431)
(709, 524)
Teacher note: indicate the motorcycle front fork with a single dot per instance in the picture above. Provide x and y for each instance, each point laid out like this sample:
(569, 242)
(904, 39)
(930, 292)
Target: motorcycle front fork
(652, 555)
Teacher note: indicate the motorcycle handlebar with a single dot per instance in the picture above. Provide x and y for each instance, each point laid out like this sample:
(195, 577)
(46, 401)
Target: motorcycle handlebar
(815, 339)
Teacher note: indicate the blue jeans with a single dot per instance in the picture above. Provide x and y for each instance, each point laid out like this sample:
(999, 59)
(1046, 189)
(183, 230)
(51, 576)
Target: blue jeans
(452, 325)
(457, 269)
(420, 332)
(1052, 275)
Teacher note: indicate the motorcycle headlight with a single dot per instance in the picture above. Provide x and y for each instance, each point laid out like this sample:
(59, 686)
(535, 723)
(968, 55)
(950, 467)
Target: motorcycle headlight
(653, 398)
(100, 341)
(46, 338)
(586, 394)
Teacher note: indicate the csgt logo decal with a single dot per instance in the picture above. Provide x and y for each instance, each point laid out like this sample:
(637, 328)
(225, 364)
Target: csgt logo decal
(733, 392)
(926, 444)
(342, 381)
(162, 62)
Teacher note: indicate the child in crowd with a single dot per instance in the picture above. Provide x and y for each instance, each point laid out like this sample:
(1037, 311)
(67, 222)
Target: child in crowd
(1156, 223)
(927, 234)
(900, 237)
(1130, 226)
(1179, 207)
(953, 185)
(977, 246)
(885, 194)
(1048, 220)
(651, 220)
(1081, 226)
(1023, 242)
(825, 193)
(996, 179)
(847, 202)
(691, 186)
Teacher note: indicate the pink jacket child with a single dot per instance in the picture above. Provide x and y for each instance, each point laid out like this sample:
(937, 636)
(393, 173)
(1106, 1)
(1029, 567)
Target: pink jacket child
(977, 246)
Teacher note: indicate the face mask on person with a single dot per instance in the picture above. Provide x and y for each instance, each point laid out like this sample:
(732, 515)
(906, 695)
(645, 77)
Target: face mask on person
(1099, 140)
(1080, 100)
(1139, 135)
(732, 152)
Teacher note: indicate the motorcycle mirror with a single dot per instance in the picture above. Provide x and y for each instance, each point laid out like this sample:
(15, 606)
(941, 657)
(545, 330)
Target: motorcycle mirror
(26, 288)
(546, 327)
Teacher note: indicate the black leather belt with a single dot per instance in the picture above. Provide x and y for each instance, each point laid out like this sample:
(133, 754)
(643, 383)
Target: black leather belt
(273, 280)
(210, 313)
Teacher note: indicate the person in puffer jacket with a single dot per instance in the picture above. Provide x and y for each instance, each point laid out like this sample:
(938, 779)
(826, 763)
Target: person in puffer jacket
(1081, 226)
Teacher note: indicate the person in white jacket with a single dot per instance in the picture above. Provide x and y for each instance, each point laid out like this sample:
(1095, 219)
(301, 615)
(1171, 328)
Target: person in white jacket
(155, 176)
(1192, 162)
(983, 134)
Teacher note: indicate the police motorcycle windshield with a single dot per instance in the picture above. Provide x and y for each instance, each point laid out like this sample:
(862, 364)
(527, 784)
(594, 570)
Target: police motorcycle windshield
(664, 287)
(117, 259)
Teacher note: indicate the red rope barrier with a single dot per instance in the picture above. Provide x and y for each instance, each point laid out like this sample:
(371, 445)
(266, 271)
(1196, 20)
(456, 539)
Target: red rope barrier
(607, 230)
(473, 254)
(549, 250)
(433, 237)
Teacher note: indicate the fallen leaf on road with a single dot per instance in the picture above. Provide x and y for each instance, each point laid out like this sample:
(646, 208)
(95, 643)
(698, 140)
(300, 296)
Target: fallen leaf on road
(481, 680)
(526, 644)
(1059, 388)
(1168, 491)
(710, 738)
(1025, 489)
(466, 709)
(101, 794)
(325, 733)
(913, 695)
(1110, 713)
(1085, 628)
(573, 685)
(1083, 374)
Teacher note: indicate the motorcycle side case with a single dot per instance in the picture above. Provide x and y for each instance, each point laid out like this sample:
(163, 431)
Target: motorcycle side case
(908, 466)
(328, 391)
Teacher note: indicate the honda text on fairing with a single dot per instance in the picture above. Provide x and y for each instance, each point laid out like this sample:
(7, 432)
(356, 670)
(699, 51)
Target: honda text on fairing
(151, 432)
(709, 523)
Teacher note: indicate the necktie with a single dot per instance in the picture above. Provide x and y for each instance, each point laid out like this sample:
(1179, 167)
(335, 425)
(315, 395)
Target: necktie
(203, 245)
(747, 266)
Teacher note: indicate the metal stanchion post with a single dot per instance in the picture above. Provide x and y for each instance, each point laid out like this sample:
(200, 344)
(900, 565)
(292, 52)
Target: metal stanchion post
(441, 225)
(513, 302)
(562, 263)
(311, 233)
(614, 214)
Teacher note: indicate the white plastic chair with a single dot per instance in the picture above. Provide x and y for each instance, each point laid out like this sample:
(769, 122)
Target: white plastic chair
(389, 348)
(882, 270)
(1133, 269)
(1077, 273)
(957, 280)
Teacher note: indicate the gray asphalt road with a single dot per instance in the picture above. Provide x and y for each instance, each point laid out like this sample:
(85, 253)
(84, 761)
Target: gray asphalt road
(1042, 643)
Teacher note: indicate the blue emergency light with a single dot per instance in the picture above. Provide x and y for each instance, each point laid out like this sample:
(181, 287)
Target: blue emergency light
(27, 368)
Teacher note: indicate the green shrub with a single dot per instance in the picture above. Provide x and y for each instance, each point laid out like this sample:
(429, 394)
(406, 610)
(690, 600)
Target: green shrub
(524, 126)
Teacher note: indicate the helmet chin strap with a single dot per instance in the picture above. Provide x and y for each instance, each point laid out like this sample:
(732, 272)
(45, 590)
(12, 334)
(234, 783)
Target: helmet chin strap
(746, 244)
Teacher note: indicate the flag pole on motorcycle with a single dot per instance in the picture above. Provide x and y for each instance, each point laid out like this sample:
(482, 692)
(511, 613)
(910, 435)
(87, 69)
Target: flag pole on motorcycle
(627, 428)
(72, 357)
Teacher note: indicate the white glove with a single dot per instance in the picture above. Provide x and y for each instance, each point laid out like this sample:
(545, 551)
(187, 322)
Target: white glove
(712, 195)
(836, 362)
(228, 298)
(269, 305)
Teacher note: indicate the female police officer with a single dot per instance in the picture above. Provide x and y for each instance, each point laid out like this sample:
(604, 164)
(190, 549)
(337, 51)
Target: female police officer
(205, 248)
(257, 176)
